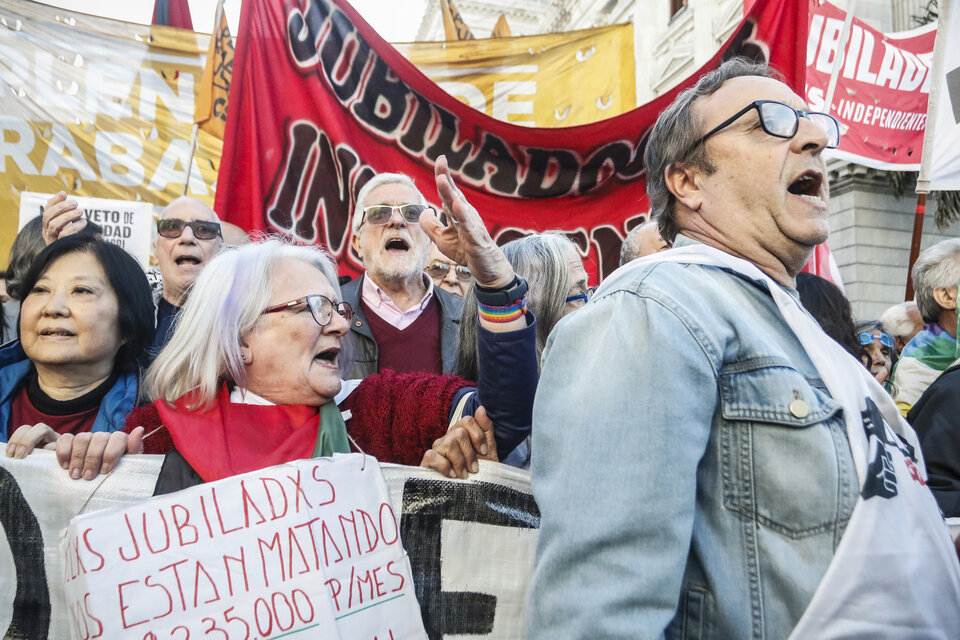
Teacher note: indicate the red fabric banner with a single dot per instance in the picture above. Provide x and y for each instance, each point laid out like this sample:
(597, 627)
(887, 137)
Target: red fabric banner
(172, 13)
(882, 87)
(320, 103)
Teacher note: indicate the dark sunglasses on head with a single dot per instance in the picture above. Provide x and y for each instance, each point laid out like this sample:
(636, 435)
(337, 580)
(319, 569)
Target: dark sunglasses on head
(782, 121)
(381, 213)
(866, 338)
(438, 270)
(202, 230)
(321, 307)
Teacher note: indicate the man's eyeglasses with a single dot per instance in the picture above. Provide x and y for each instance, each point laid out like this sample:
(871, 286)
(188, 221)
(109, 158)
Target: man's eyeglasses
(439, 270)
(583, 297)
(381, 213)
(321, 307)
(866, 338)
(202, 229)
(782, 121)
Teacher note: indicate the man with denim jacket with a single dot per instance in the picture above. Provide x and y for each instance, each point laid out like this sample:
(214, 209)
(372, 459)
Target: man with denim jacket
(694, 476)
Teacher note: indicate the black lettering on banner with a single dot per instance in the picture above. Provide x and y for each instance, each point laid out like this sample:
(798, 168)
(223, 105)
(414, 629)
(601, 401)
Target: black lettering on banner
(415, 137)
(31, 604)
(550, 173)
(344, 56)
(384, 99)
(881, 477)
(494, 155)
(304, 31)
(426, 504)
(312, 194)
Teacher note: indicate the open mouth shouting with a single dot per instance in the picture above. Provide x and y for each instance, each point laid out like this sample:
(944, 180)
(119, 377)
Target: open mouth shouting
(328, 357)
(396, 245)
(808, 186)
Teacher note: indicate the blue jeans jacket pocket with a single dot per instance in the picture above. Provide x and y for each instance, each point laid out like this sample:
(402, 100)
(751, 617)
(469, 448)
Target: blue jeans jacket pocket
(774, 425)
(696, 616)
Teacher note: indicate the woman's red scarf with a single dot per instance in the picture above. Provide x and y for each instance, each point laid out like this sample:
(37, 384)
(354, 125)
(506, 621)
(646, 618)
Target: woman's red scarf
(233, 438)
(395, 418)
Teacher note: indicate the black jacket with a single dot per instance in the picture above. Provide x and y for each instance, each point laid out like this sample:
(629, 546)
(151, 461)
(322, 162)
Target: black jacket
(936, 419)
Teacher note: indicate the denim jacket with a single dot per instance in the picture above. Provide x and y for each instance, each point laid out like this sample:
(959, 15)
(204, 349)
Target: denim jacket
(694, 475)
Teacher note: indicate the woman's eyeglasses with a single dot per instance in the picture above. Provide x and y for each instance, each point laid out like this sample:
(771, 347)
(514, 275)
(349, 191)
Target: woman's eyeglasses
(321, 307)
(381, 213)
(583, 297)
(202, 229)
(866, 338)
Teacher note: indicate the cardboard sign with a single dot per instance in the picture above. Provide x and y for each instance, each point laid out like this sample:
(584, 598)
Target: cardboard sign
(126, 224)
(311, 546)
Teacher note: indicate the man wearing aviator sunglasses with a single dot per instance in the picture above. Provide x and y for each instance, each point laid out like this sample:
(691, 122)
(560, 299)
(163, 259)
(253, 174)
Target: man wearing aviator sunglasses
(402, 321)
(188, 236)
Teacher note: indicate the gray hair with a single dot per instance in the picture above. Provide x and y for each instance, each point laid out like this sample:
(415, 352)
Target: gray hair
(896, 320)
(937, 268)
(378, 181)
(226, 301)
(540, 259)
(672, 139)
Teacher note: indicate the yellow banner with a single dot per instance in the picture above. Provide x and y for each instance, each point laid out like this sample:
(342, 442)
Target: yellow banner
(211, 108)
(99, 108)
(556, 80)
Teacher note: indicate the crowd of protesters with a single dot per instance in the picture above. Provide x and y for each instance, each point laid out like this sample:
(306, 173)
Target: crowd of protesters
(706, 429)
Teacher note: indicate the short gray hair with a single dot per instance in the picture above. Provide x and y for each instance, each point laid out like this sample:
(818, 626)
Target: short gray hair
(378, 181)
(937, 268)
(540, 259)
(896, 320)
(226, 301)
(675, 133)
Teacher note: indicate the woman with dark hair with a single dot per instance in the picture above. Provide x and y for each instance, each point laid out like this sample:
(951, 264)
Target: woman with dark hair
(831, 309)
(86, 322)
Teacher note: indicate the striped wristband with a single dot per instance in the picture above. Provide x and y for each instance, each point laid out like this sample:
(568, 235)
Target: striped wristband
(508, 313)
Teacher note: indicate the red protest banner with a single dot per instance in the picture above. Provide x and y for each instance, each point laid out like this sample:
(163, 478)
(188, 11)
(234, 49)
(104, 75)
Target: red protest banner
(320, 103)
(882, 88)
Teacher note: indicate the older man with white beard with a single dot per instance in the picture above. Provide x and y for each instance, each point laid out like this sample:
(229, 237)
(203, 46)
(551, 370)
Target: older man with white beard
(401, 320)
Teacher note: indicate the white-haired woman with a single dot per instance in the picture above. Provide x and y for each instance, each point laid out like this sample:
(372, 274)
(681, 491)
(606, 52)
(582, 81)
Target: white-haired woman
(251, 375)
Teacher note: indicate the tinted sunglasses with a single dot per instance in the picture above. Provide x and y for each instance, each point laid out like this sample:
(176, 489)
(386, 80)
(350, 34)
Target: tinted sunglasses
(381, 213)
(438, 270)
(866, 338)
(202, 230)
(320, 306)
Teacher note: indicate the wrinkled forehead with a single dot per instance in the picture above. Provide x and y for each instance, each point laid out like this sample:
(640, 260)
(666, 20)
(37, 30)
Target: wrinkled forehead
(394, 193)
(292, 278)
(736, 93)
(190, 211)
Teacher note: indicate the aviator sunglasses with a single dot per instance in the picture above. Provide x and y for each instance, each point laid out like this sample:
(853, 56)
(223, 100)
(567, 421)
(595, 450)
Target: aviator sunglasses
(381, 213)
(202, 229)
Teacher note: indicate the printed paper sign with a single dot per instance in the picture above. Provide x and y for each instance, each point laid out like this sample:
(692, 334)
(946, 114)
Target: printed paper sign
(309, 549)
(126, 224)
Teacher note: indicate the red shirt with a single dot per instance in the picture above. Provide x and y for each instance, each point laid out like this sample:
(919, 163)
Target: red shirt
(31, 406)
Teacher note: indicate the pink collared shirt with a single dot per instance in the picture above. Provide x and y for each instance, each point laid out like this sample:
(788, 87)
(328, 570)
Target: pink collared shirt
(380, 303)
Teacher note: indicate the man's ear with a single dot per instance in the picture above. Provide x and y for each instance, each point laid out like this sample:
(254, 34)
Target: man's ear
(355, 243)
(683, 181)
(946, 298)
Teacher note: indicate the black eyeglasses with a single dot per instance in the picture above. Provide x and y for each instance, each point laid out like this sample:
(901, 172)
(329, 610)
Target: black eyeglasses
(202, 230)
(381, 213)
(781, 121)
(866, 338)
(584, 296)
(438, 270)
(321, 307)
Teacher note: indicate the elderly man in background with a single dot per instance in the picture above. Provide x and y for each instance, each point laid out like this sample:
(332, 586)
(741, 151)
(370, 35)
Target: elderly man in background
(188, 236)
(902, 321)
(718, 465)
(401, 321)
(643, 240)
(936, 277)
(447, 274)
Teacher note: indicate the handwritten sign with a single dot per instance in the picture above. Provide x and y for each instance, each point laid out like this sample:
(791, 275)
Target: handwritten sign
(127, 224)
(309, 547)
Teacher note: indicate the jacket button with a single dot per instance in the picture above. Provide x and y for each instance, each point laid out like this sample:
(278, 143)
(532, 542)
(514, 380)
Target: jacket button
(798, 407)
(359, 324)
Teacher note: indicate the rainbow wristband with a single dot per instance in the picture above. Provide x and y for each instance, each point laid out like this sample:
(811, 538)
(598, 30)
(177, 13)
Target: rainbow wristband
(508, 313)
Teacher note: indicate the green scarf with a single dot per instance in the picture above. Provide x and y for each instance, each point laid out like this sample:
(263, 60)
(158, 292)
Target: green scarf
(332, 435)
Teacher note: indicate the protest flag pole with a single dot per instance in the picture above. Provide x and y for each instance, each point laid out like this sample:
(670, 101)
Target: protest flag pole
(839, 58)
(203, 108)
(193, 152)
(923, 180)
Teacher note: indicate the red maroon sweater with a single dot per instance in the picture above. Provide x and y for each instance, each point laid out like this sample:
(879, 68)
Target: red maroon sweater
(395, 417)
